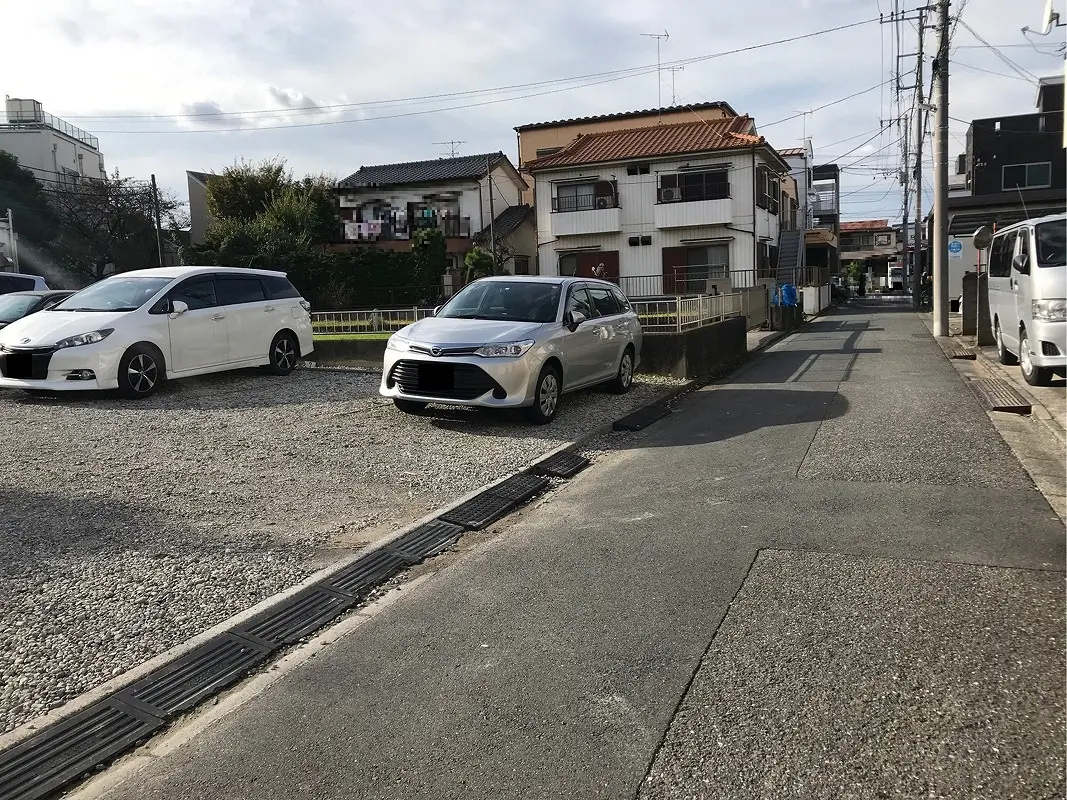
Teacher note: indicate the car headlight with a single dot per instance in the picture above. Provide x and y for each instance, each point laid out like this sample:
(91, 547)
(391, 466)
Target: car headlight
(398, 343)
(505, 349)
(1050, 310)
(92, 337)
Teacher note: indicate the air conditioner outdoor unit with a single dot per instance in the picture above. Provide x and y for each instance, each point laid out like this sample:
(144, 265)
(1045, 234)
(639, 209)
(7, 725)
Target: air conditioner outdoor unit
(603, 202)
(667, 195)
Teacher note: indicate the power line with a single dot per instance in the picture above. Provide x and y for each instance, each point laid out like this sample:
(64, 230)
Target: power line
(1029, 75)
(957, 63)
(607, 77)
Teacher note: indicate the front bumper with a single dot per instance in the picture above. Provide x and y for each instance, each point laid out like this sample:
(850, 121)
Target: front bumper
(50, 370)
(460, 380)
(1044, 334)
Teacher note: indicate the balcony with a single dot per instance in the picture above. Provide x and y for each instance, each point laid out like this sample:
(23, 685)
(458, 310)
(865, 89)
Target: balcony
(574, 216)
(693, 213)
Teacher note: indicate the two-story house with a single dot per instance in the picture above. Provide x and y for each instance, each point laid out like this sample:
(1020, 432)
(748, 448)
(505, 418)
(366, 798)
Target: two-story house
(691, 206)
(466, 198)
(872, 244)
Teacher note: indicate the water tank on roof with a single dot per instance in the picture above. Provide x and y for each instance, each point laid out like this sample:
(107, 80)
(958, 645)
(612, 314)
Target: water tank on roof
(24, 111)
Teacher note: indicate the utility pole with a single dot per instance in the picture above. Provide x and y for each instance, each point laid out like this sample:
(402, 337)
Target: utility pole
(940, 244)
(673, 70)
(159, 226)
(920, 113)
(905, 222)
(453, 146)
(492, 214)
(659, 37)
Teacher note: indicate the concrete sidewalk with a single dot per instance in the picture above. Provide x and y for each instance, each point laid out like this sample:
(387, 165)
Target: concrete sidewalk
(826, 577)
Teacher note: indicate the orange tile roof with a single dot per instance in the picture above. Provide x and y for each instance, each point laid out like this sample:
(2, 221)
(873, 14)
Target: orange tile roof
(866, 225)
(699, 136)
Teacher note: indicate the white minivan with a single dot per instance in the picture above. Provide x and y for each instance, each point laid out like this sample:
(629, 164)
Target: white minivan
(134, 330)
(1028, 295)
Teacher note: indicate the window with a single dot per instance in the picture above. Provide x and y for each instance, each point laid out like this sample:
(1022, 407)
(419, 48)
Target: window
(637, 169)
(568, 264)
(118, 293)
(1000, 255)
(12, 283)
(578, 300)
(707, 261)
(235, 290)
(522, 265)
(684, 187)
(881, 240)
(1051, 244)
(603, 301)
(196, 293)
(1027, 176)
(547, 151)
(575, 197)
(620, 298)
(515, 301)
(279, 288)
(768, 190)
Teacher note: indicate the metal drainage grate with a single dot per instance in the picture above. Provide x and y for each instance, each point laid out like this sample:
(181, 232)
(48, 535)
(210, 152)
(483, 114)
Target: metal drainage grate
(480, 511)
(426, 540)
(45, 763)
(304, 613)
(998, 395)
(641, 418)
(961, 353)
(206, 670)
(562, 465)
(521, 487)
(369, 571)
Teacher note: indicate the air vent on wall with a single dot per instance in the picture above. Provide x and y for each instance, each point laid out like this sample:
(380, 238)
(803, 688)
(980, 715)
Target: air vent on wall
(646, 240)
(634, 241)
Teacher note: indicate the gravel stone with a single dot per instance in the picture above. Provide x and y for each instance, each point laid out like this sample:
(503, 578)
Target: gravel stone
(129, 527)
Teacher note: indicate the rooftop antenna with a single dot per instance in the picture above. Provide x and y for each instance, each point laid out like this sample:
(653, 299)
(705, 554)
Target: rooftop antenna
(659, 37)
(453, 146)
(673, 70)
(804, 136)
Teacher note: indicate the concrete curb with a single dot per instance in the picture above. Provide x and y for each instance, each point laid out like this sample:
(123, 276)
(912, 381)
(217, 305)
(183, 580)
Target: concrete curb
(131, 676)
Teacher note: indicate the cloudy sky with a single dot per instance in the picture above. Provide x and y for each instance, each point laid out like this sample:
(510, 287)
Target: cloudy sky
(333, 84)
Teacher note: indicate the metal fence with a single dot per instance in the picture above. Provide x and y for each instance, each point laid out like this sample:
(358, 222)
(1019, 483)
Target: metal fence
(677, 314)
(386, 320)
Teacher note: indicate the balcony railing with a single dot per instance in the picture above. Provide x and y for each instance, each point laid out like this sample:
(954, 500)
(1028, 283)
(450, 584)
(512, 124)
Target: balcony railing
(584, 202)
(689, 194)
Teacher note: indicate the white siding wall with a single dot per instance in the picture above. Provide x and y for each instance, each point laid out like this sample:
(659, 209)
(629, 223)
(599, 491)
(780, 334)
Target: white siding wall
(637, 196)
(33, 149)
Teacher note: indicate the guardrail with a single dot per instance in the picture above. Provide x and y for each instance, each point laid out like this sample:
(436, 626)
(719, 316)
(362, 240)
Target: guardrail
(388, 320)
(666, 315)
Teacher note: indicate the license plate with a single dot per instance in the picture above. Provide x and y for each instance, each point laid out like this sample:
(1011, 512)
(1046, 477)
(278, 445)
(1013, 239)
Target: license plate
(16, 365)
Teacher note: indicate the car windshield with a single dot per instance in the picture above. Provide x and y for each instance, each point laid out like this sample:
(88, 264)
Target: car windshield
(114, 294)
(1051, 244)
(518, 301)
(16, 306)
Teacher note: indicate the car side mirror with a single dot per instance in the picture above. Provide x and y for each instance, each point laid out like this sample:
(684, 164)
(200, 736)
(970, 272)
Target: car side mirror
(177, 308)
(1021, 262)
(572, 319)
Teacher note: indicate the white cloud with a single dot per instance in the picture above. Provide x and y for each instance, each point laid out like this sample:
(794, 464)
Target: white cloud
(141, 58)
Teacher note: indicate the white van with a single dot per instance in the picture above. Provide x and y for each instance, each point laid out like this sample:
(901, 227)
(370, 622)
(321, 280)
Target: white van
(1028, 295)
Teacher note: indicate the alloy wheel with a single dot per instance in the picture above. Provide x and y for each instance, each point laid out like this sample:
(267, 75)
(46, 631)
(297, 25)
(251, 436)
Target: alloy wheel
(548, 395)
(1024, 355)
(626, 370)
(284, 353)
(142, 373)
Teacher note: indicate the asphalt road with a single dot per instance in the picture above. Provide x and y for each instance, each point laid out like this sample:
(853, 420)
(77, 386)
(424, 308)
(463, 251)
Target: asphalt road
(824, 577)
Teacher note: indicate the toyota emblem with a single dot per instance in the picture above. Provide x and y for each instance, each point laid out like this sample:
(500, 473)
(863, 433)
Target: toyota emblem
(24, 340)
(435, 351)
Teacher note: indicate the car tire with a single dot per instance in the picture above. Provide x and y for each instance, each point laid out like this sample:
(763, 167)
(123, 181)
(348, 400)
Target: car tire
(141, 371)
(284, 352)
(1033, 375)
(1003, 356)
(549, 389)
(409, 406)
(624, 378)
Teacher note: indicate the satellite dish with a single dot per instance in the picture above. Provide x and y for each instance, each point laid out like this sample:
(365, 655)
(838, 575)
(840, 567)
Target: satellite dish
(983, 237)
(1048, 18)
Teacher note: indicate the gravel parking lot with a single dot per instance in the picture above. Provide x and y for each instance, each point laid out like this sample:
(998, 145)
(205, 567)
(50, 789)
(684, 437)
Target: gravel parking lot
(129, 527)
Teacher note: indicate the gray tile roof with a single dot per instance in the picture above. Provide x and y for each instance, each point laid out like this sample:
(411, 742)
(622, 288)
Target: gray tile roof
(508, 220)
(412, 172)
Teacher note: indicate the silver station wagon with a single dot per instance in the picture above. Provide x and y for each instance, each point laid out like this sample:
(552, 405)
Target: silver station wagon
(515, 342)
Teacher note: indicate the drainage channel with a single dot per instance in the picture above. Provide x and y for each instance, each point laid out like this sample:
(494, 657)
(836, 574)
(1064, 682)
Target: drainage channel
(64, 752)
